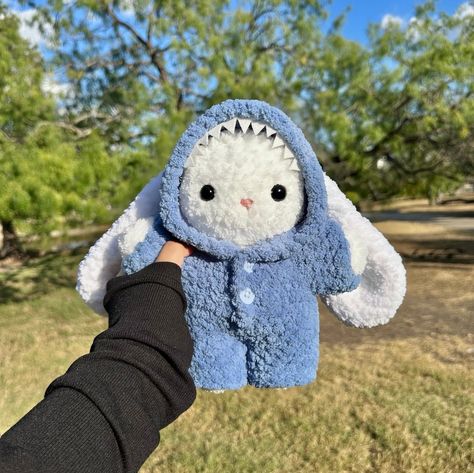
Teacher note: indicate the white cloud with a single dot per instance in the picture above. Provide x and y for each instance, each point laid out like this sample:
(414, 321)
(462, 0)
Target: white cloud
(465, 10)
(391, 20)
(31, 32)
(414, 27)
(51, 86)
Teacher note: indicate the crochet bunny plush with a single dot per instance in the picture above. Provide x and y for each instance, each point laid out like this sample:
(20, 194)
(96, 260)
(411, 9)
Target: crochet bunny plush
(271, 232)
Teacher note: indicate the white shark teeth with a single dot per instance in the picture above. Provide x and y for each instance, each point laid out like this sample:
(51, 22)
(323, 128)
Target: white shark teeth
(216, 132)
(294, 165)
(204, 140)
(270, 131)
(287, 154)
(244, 124)
(257, 127)
(192, 159)
(277, 142)
(230, 125)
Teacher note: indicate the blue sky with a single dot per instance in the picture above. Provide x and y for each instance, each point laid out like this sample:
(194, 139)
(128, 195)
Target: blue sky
(364, 12)
(359, 16)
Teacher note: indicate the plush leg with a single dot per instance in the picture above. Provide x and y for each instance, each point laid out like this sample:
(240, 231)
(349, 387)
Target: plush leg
(219, 362)
(288, 358)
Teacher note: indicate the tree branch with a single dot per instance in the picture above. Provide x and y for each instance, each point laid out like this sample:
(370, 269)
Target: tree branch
(154, 53)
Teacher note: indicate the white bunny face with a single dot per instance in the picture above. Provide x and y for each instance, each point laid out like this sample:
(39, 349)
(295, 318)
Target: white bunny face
(242, 185)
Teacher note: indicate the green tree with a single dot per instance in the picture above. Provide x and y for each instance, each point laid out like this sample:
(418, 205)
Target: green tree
(141, 70)
(397, 117)
(393, 117)
(48, 177)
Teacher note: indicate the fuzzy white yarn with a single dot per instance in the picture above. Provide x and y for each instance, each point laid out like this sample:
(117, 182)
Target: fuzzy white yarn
(104, 258)
(241, 166)
(383, 285)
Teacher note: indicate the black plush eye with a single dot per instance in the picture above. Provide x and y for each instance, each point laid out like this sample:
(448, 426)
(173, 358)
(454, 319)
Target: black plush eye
(207, 192)
(278, 192)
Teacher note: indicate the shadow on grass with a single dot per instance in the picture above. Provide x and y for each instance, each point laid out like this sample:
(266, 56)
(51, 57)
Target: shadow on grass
(436, 250)
(433, 216)
(39, 276)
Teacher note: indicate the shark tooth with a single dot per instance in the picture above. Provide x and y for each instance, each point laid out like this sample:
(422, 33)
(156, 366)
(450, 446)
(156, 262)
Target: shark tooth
(244, 124)
(204, 140)
(202, 150)
(287, 154)
(191, 161)
(198, 150)
(270, 131)
(215, 132)
(257, 127)
(294, 165)
(230, 125)
(277, 142)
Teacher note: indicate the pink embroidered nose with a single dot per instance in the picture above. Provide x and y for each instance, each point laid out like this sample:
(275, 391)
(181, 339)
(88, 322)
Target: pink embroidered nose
(246, 202)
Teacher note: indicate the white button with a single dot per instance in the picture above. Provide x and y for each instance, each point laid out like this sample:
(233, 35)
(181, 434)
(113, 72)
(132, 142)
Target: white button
(247, 296)
(248, 267)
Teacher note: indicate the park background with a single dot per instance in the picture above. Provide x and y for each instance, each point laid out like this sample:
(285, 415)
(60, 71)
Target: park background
(93, 96)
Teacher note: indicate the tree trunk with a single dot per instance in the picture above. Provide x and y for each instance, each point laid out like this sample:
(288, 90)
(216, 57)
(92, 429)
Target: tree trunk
(9, 242)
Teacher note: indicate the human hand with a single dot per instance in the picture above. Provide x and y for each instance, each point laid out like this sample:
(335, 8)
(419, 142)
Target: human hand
(174, 252)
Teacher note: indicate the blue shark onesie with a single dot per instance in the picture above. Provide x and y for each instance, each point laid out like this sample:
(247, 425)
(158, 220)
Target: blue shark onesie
(252, 310)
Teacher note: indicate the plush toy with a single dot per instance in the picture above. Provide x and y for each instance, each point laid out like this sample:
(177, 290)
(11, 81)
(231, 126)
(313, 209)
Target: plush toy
(271, 232)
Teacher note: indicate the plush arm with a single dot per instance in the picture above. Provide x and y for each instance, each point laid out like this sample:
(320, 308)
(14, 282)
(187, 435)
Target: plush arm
(329, 262)
(144, 252)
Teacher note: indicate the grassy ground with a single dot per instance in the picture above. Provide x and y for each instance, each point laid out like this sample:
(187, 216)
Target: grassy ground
(397, 398)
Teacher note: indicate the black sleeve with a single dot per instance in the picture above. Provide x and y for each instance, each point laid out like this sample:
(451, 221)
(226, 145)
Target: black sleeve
(105, 413)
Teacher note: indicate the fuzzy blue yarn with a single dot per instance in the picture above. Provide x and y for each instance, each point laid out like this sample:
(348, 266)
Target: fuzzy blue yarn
(252, 312)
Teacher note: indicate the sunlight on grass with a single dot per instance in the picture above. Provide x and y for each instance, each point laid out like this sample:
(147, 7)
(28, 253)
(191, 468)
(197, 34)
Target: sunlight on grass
(399, 405)
(385, 408)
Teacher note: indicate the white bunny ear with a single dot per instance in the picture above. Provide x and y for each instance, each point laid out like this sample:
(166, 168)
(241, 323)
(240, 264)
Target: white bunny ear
(133, 234)
(383, 285)
(104, 258)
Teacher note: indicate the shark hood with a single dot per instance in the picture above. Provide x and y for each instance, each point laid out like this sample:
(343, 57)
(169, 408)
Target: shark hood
(383, 279)
(272, 124)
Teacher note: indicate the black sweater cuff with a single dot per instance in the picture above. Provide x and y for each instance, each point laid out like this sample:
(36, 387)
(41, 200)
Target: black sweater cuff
(164, 272)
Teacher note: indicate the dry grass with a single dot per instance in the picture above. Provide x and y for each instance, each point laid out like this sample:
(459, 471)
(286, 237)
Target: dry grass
(391, 407)
(396, 399)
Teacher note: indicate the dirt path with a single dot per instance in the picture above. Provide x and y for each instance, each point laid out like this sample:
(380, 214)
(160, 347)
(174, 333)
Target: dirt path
(438, 250)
